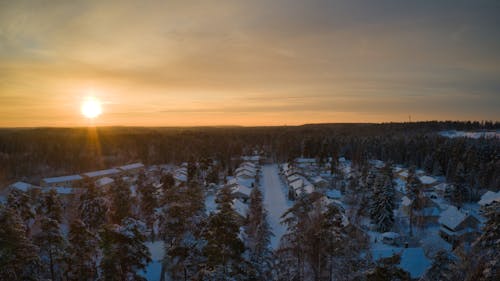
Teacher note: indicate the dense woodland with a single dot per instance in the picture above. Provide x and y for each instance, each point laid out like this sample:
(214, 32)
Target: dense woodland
(30, 154)
(101, 234)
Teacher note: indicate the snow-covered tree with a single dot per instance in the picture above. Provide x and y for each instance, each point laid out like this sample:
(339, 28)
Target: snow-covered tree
(20, 201)
(93, 208)
(51, 206)
(382, 206)
(81, 253)
(223, 250)
(121, 201)
(124, 252)
(148, 203)
(258, 236)
(443, 267)
(52, 245)
(18, 255)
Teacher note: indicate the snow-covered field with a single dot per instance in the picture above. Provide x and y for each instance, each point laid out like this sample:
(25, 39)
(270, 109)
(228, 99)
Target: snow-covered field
(153, 270)
(275, 201)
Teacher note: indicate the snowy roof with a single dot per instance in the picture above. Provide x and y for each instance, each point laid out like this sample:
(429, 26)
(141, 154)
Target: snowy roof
(403, 174)
(293, 178)
(180, 177)
(414, 261)
(246, 168)
(390, 235)
(104, 181)
(489, 197)
(243, 190)
(427, 180)
(405, 201)
(333, 193)
(441, 187)
(319, 179)
(377, 163)
(305, 160)
(297, 184)
(240, 207)
(62, 179)
(131, 166)
(254, 158)
(21, 186)
(101, 173)
(247, 173)
(452, 217)
(248, 164)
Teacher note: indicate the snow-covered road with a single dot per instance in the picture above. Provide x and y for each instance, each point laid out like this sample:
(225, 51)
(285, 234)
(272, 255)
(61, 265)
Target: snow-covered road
(275, 201)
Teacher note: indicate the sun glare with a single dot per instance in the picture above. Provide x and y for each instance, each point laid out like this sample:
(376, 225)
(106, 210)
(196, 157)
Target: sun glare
(91, 108)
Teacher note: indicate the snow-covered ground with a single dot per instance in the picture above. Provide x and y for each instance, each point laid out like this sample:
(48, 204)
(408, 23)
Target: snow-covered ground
(275, 201)
(153, 270)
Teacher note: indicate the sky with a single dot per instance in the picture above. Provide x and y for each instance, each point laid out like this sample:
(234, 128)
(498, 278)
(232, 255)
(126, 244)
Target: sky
(280, 62)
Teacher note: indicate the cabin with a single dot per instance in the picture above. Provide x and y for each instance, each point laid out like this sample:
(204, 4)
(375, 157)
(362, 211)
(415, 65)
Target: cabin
(457, 226)
(22, 186)
(319, 182)
(64, 181)
(245, 174)
(241, 192)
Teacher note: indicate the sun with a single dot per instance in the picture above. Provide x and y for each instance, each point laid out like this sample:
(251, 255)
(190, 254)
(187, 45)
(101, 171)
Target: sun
(91, 108)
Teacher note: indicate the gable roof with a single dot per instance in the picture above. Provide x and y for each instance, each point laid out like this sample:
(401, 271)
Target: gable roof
(452, 217)
(489, 197)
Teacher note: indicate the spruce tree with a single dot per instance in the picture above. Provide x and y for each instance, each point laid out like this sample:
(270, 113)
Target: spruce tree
(258, 236)
(124, 252)
(51, 206)
(93, 208)
(18, 255)
(82, 252)
(52, 245)
(121, 201)
(21, 202)
(148, 204)
(223, 249)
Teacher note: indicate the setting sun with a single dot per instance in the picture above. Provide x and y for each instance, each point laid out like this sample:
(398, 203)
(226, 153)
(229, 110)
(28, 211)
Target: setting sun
(91, 108)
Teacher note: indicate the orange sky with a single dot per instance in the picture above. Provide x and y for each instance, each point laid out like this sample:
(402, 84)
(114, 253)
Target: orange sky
(170, 63)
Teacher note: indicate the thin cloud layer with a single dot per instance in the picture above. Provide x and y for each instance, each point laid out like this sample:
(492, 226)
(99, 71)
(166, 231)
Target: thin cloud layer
(248, 62)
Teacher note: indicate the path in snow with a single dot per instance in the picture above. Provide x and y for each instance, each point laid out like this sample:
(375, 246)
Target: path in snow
(275, 201)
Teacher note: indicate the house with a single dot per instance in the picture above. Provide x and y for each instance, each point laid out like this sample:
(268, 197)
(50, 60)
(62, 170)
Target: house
(300, 187)
(293, 178)
(132, 169)
(457, 226)
(319, 182)
(102, 173)
(391, 238)
(488, 198)
(245, 174)
(241, 192)
(240, 208)
(22, 186)
(104, 182)
(253, 159)
(333, 194)
(64, 181)
(440, 189)
(427, 181)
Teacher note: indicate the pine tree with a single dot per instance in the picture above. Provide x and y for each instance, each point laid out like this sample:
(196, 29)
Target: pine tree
(82, 252)
(18, 255)
(258, 236)
(383, 204)
(21, 202)
(51, 206)
(124, 252)
(442, 268)
(52, 248)
(93, 208)
(121, 201)
(148, 203)
(223, 249)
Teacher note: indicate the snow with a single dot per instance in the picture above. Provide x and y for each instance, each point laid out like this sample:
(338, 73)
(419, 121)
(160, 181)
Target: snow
(414, 261)
(108, 172)
(405, 201)
(452, 217)
(427, 180)
(104, 181)
(131, 166)
(275, 201)
(22, 186)
(241, 190)
(473, 135)
(240, 207)
(62, 179)
(489, 197)
(153, 269)
(390, 235)
(61, 190)
(333, 194)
